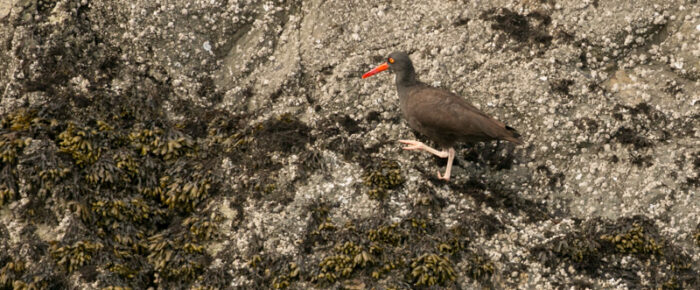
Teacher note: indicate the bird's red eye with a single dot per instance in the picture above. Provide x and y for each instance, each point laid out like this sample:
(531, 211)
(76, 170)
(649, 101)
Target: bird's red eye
(391, 60)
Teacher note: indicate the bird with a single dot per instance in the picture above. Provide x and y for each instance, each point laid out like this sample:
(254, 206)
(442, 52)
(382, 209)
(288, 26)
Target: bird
(442, 116)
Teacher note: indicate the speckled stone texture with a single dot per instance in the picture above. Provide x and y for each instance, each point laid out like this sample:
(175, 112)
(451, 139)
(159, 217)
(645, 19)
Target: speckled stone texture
(233, 144)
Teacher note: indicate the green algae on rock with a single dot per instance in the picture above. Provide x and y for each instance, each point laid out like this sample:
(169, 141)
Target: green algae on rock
(383, 177)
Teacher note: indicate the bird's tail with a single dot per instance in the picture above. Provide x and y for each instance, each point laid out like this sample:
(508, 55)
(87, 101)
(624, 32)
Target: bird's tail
(513, 136)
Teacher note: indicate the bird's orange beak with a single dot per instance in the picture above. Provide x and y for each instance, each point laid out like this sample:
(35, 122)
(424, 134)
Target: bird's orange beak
(378, 69)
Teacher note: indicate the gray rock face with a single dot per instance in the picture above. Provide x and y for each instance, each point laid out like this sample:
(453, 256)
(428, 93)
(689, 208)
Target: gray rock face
(233, 144)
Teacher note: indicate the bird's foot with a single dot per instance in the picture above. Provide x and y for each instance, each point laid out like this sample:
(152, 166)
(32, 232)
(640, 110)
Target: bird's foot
(448, 169)
(446, 178)
(417, 145)
(412, 145)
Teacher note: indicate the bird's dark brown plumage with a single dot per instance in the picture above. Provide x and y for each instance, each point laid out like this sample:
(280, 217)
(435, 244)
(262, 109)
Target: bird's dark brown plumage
(442, 116)
(446, 118)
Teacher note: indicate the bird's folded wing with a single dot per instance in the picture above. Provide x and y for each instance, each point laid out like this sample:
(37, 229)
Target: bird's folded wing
(449, 113)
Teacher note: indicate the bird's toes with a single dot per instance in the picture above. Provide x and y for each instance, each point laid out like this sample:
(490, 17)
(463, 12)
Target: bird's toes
(446, 178)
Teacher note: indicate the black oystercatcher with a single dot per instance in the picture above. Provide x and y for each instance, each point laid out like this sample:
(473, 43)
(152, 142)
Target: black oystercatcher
(444, 117)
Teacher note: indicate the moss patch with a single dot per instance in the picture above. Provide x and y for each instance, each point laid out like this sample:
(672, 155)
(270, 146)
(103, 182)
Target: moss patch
(135, 182)
(591, 249)
(252, 147)
(414, 251)
(382, 178)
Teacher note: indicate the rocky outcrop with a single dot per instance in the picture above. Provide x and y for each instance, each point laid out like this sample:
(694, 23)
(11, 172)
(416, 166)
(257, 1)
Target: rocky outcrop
(232, 144)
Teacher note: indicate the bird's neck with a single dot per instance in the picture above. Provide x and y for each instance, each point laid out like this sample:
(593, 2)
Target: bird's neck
(406, 78)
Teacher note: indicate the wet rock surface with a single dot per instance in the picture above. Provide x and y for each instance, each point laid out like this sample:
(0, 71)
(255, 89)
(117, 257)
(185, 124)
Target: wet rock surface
(232, 144)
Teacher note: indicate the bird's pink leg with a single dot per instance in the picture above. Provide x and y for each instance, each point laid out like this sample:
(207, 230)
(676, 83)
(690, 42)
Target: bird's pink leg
(450, 158)
(417, 145)
(449, 154)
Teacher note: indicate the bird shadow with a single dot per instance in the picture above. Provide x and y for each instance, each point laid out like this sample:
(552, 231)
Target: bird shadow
(491, 155)
(494, 155)
(493, 194)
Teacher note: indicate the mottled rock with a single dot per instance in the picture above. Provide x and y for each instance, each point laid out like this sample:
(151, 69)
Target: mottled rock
(233, 144)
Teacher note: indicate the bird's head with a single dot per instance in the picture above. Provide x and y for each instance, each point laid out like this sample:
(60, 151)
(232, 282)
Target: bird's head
(397, 61)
